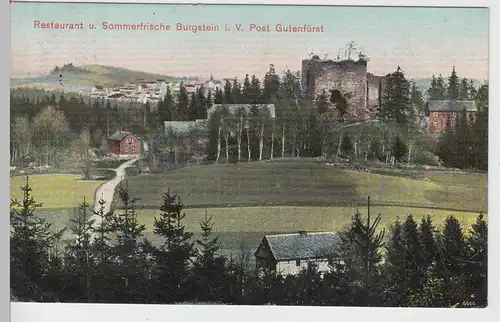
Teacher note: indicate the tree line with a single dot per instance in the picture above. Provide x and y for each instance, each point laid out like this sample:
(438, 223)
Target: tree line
(300, 127)
(49, 130)
(416, 264)
(464, 142)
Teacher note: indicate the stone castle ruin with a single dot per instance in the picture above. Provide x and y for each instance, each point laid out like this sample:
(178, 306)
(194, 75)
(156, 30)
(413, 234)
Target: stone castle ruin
(344, 81)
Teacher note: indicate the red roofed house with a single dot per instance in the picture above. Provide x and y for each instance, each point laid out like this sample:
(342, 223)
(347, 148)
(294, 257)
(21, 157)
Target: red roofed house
(124, 143)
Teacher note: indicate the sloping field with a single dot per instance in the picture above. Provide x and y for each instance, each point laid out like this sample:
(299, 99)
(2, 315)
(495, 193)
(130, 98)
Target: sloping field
(308, 183)
(244, 227)
(56, 191)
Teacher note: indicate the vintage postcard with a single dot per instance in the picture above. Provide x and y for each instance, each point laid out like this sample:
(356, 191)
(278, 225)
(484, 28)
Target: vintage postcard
(249, 154)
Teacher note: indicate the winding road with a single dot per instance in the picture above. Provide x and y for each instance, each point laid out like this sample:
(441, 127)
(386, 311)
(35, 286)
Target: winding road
(107, 190)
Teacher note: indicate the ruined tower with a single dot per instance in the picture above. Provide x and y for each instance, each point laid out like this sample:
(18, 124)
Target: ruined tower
(347, 78)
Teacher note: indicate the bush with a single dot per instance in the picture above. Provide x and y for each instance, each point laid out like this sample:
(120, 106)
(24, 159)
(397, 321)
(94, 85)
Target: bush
(426, 158)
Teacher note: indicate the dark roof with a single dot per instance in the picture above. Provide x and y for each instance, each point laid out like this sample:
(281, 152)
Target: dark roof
(451, 106)
(302, 245)
(232, 108)
(119, 135)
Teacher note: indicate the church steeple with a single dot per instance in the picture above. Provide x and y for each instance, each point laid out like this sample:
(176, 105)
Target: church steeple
(211, 77)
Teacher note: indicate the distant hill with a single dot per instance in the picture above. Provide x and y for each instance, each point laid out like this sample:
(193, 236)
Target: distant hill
(90, 75)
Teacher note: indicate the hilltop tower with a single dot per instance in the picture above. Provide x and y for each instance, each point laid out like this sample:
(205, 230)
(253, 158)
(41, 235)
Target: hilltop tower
(347, 79)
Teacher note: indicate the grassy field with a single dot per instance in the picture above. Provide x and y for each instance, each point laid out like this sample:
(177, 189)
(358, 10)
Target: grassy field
(56, 191)
(308, 183)
(248, 201)
(247, 225)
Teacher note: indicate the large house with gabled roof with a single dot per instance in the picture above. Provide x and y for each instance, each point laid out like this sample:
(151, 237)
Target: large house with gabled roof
(289, 254)
(124, 143)
(439, 112)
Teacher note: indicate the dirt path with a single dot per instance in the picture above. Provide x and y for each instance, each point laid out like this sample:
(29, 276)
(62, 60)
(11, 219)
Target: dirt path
(107, 190)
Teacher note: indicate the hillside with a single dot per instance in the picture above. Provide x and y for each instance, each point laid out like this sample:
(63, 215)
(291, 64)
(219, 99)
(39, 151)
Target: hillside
(90, 75)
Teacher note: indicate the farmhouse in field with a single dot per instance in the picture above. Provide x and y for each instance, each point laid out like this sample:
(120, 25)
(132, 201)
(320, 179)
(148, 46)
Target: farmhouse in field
(124, 143)
(438, 113)
(288, 254)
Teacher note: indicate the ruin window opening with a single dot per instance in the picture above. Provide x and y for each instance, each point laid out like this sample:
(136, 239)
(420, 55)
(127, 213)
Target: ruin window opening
(308, 81)
(339, 101)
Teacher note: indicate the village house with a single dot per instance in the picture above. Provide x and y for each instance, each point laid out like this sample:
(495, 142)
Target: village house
(124, 143)
(289, 254)
(438, 113)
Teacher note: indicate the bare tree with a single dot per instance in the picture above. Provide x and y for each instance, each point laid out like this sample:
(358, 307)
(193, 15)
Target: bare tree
(272, 139)
(219, 139)
(239, 114)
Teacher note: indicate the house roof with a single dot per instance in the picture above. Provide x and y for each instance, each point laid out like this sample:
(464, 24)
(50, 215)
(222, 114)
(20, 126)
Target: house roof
(119, 135)
(451, 106)
(247, 107)
(302, 245)
(182, 126)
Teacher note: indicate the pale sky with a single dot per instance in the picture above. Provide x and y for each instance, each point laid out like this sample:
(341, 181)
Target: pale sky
(423, 41)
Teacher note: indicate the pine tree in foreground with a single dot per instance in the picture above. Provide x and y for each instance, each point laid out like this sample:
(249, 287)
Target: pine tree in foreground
(477, 263)
(80, 251)
(428, 242)
(209, 268)
(173, 255)
(361, 252)
(452, 253)
(130, 250)
(31, 242)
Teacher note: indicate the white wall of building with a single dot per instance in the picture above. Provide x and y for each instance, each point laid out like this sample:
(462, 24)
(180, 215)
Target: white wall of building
(291, 268)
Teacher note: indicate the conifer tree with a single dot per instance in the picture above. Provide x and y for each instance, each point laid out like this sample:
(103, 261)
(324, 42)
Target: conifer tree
(399, 149)
(417, 99)
(173, 256)
(396, 104)
(446, 148)
(453, 90)
(193, 107)
(246, 91)
(181, 107)
(360, 250)
(102, 252)
(31, 240)
(207, 104)
(219, 97)
(477, 262)
(236, 95)
(472, 90)
(428, 242)
(271, 86)
(209, 267)
(450, 268)
(166, 107)
(130, 250)
(228, 97)
(432, 91)
(440, 88)
(394, 267)
(255, 91)
(464, 90)
(80, 250)
(413, 256)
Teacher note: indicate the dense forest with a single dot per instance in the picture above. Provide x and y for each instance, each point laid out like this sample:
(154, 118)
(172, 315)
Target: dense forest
(414, 264)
